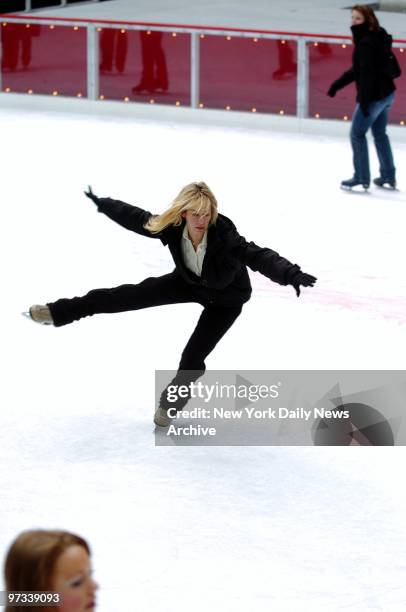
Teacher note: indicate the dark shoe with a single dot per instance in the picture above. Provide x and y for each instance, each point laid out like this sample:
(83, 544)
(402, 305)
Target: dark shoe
(381, 182)
(280, 73)
(161, 86)
(143, 87)
(104, 68)
(354, 182)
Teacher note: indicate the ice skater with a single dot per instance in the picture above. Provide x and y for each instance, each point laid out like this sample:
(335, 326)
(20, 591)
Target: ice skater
(210, 260)
(373, 69)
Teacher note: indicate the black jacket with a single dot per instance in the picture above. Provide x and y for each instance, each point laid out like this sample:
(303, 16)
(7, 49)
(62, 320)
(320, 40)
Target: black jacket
(224, 276)
(369, 66)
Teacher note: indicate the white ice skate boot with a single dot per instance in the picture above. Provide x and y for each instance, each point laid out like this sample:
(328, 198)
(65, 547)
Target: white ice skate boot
(161, 418)
(40, 314)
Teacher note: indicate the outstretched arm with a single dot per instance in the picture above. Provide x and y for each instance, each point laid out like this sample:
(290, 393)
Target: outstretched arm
(345, 79)
(130, 217)
(270, 263)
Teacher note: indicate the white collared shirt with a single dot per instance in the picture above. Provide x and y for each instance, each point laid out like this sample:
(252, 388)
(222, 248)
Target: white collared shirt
(193, 258)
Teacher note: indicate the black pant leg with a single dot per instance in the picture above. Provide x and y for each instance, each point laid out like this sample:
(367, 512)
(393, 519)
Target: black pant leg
(153, 291)
(214, 322)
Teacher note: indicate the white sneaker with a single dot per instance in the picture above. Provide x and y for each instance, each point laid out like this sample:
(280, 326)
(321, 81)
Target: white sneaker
(40, 314)
(161, 418)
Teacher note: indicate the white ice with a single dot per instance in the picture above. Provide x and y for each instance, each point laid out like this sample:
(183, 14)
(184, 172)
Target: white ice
(180, 529)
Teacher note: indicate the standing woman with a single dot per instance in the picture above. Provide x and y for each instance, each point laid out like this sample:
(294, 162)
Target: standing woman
(210, 260)
(371, 71)
(57, 562)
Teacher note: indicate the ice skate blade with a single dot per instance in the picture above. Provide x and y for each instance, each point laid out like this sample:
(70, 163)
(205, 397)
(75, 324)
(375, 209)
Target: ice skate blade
(387, 187)
(363, 189)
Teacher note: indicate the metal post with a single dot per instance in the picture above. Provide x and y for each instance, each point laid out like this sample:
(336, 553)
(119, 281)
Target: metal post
(27, 5)
(63, 2)
(302, 92)
(92, 62)
(194, 70)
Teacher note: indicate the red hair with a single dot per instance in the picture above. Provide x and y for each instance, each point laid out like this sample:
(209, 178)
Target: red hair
(369, 16)
(31, 559)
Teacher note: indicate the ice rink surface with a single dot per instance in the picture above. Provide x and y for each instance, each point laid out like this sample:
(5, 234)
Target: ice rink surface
(180, 529)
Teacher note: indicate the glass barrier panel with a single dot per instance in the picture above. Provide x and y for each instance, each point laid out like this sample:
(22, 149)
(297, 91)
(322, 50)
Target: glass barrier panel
(327, 62)
(248, 74)
(397, 113)
(145, 66)
(44, 59)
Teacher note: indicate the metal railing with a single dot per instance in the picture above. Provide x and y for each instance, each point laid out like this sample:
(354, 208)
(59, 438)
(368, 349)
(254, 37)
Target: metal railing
(94, 27)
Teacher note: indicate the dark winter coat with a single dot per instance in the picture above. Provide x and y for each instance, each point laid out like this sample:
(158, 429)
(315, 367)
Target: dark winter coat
(224, 276)
(369, 61)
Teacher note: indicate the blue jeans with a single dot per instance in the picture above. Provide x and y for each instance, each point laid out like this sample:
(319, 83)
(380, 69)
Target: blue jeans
(377, 120)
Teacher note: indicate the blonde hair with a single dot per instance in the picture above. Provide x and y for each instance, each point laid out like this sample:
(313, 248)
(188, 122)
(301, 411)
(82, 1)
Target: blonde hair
(195, 196)
(31, 559)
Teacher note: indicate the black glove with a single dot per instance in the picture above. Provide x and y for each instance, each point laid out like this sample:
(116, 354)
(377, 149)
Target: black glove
(91, 196)
(332, 90)
(364, 110)
(301, 278)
